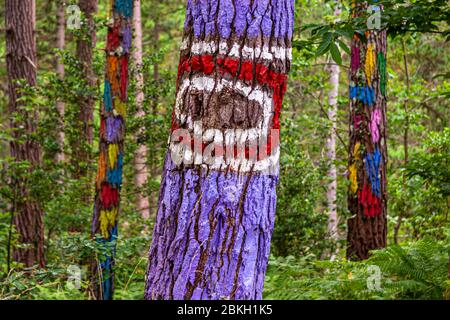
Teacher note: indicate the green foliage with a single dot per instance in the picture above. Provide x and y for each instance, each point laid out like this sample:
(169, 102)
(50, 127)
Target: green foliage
(433, 163)
(299, 226)
(398, 17)
(402, 16)
(419, 190)
(306, 278)
(414, 271)
(417, 271)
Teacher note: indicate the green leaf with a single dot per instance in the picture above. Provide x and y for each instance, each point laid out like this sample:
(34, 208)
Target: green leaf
(335, 53)
(324, 45)
(343, 46)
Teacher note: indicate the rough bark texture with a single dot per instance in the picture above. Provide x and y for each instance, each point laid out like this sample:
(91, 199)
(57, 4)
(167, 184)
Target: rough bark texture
(140, 157)
(60, 44)
(367, 197)
(84, 53)
(22, 65)
(112, 133)
(214, 222)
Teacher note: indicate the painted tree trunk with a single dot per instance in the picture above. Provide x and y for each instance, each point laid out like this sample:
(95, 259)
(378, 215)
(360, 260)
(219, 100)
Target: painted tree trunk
(84, 52)
(60, 106)
(333, 94)
(367, 196)
(140, 157)
(21, 64)
(112, 133)
(216, 212)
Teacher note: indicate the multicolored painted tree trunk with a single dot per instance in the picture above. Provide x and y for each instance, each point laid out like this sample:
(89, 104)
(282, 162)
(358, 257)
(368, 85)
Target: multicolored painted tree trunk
(368, 150)
(112, 132)
(216, 209)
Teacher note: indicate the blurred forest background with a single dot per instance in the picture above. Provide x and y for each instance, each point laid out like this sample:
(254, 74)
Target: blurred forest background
(306, 262)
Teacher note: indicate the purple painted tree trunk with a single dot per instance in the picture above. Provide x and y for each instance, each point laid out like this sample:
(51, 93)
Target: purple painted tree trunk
(215, 217)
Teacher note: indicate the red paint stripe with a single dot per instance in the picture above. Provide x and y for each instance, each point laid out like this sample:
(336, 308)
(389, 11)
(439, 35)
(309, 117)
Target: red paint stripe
(247, 70)
(109, 196)
(102, 127)
(123, 77)
(113, 39)
(222, 150)
(370, 202)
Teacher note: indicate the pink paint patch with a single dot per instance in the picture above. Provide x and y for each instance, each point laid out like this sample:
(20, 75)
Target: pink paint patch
(374, 123)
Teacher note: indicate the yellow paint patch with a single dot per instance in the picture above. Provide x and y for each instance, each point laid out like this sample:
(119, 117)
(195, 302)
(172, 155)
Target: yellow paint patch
(113, 152)
(370, 64)
(356, 150)
(107, 221)
(120, 108)
(353, 178)
(353, 169)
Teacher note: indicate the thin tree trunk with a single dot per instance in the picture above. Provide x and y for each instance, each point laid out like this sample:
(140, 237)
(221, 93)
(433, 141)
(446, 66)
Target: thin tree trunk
(110, 163)
(84, 53)
(21, 63)
(155, 66)
(404, 211)
(367, 197)
(333, 94)
(60, 106)
(215, 219)
(154, 166)
(447, 291)
(140, 157)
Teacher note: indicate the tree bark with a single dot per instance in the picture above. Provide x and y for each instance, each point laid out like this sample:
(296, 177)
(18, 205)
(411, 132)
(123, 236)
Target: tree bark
(367, 196)
(405, 212)
(140, 157)
(60, 106)
(333, 94)
(215, 219)
(84, 53)
(21, 63)
(110, 163)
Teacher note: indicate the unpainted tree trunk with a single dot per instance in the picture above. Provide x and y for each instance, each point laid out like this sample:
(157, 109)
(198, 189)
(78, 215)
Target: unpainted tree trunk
(60, 106)
(84, 53)
(367, 196)
(404, 212)
(140, 157)
(156, 38)
(21, 64)
(215, 219)
(333, 94)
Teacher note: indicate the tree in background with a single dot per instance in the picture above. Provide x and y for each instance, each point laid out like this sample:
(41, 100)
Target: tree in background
(60, 44)
(140, 158)
(333, 94)
(110, 163)
(215, 220)
(21, 63)
(367, 198)
(84, 53)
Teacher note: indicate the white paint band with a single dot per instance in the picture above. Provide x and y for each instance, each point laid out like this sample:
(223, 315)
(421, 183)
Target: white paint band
(250, 53)
(208, 84)
(181, 152)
